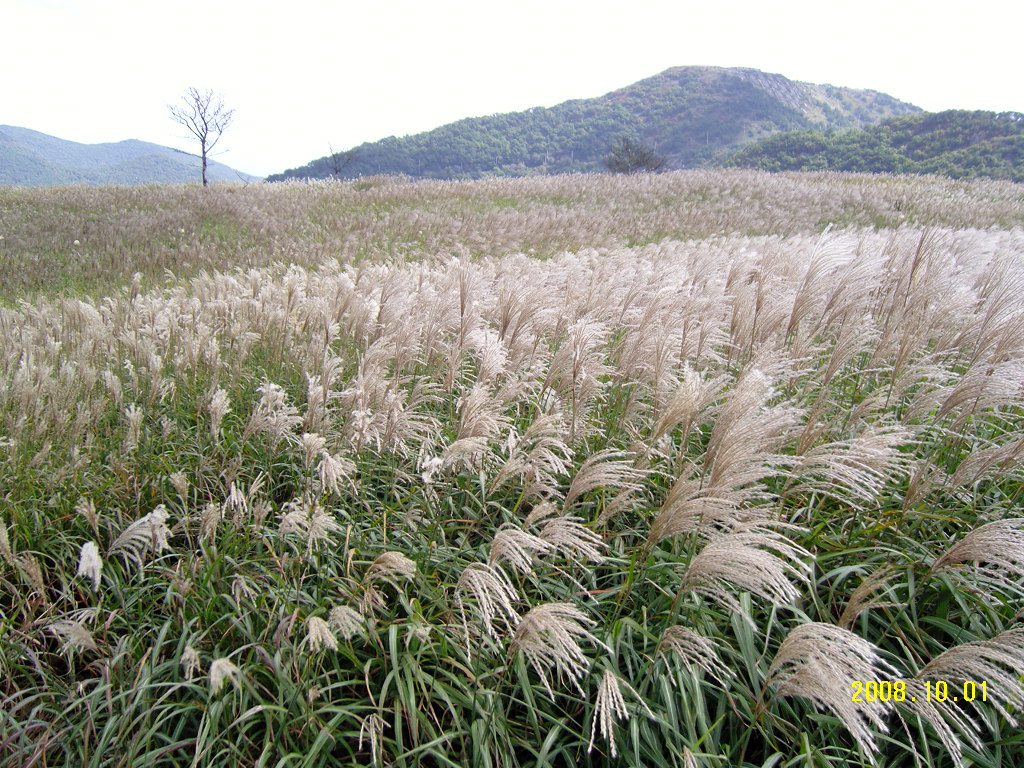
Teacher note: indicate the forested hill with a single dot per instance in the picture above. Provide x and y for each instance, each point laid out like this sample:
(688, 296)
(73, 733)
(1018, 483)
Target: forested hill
(692, 115)
(959, 144)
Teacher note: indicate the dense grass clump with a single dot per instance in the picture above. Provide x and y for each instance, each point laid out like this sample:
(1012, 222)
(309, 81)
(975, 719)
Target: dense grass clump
(667, 503)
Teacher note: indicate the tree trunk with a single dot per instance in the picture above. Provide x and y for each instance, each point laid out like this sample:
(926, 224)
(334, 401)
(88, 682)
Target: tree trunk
(203, 145)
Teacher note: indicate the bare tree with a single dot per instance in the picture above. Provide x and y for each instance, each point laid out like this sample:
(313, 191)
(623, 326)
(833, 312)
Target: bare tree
(206, 118)
(339, 161)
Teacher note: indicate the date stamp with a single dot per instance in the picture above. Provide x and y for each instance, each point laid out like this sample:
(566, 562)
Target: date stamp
(935, 690)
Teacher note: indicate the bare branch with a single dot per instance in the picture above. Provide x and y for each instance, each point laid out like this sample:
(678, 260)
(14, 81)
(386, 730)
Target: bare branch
(205, 116)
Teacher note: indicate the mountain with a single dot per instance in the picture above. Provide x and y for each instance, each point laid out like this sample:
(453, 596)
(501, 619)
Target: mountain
(956, 143)
(30, 158)
(692, 115)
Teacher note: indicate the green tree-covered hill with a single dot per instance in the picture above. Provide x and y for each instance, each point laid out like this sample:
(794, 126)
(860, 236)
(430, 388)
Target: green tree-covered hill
(959, 144)
(692, 115)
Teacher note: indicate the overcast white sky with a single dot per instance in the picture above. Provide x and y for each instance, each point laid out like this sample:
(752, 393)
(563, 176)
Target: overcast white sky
(305, 74)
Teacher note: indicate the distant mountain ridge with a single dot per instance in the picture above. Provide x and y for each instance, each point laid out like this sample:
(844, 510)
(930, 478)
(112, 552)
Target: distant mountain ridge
(695, 116)
(31, 158)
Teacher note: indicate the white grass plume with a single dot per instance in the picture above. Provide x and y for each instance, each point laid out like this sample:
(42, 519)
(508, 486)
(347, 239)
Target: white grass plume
(753, 557)
(548, 638)
(31, 572)
(950, 724)
(72, 633)
(693, 395)
(689, 507)
(273, 414)
(997, 661)
(495, 599)
(517, 548)
(147, 534)
(5, 545)
(818, 661)
(865, 596)
(217, 406)
(222, 671)
(319, 635)
(190, 662)
(90, 564)
(611, 706)
(333, 469)
(853, 471)
(573, 539)
(695, 650)
(538, 457)
(605, 469)
(311, 522)
(346, 621)
(996, 549)
(87, 509)
(388, 566)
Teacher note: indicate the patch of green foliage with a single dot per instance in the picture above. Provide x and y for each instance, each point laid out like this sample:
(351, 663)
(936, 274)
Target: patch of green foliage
(958, 144)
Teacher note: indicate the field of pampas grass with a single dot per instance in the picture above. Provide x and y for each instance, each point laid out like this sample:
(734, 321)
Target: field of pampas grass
(696, 469)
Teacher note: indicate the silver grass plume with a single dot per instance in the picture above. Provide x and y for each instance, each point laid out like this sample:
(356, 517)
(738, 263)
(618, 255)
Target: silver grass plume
(87, 509)
(218, 406)
(538, 456)
(951, 725)
(31, 572)
(573, 539)
(854, 471)
(998, 661)
(390, 565)
(548, 638)
(864, 597)
(1005, 456)
(689, 507)
(605, 469)
(5, 546)
(494, 595)
(611, 706)
(133, 416)
(307, 519)
(373, 728)
(147, 534)
(212, 514)
(90, 564)
(312, 446)
(480, 420)
(752, 557)
(333, 469)
(695, 650)
(739, 452)
(517, 548)
(273, 415)
(73, 636)
(190, 662)
(693, 395)
(221, 671)
(72, 633)
(817, 661)
(346, 621)
(999, 545)
(319, 634)
(180, 482)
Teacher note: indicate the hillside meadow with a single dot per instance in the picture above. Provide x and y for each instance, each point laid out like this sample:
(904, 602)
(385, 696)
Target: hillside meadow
(714, 468)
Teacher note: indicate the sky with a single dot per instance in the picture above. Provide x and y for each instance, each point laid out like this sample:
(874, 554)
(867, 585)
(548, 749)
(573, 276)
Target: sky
(308, 76)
